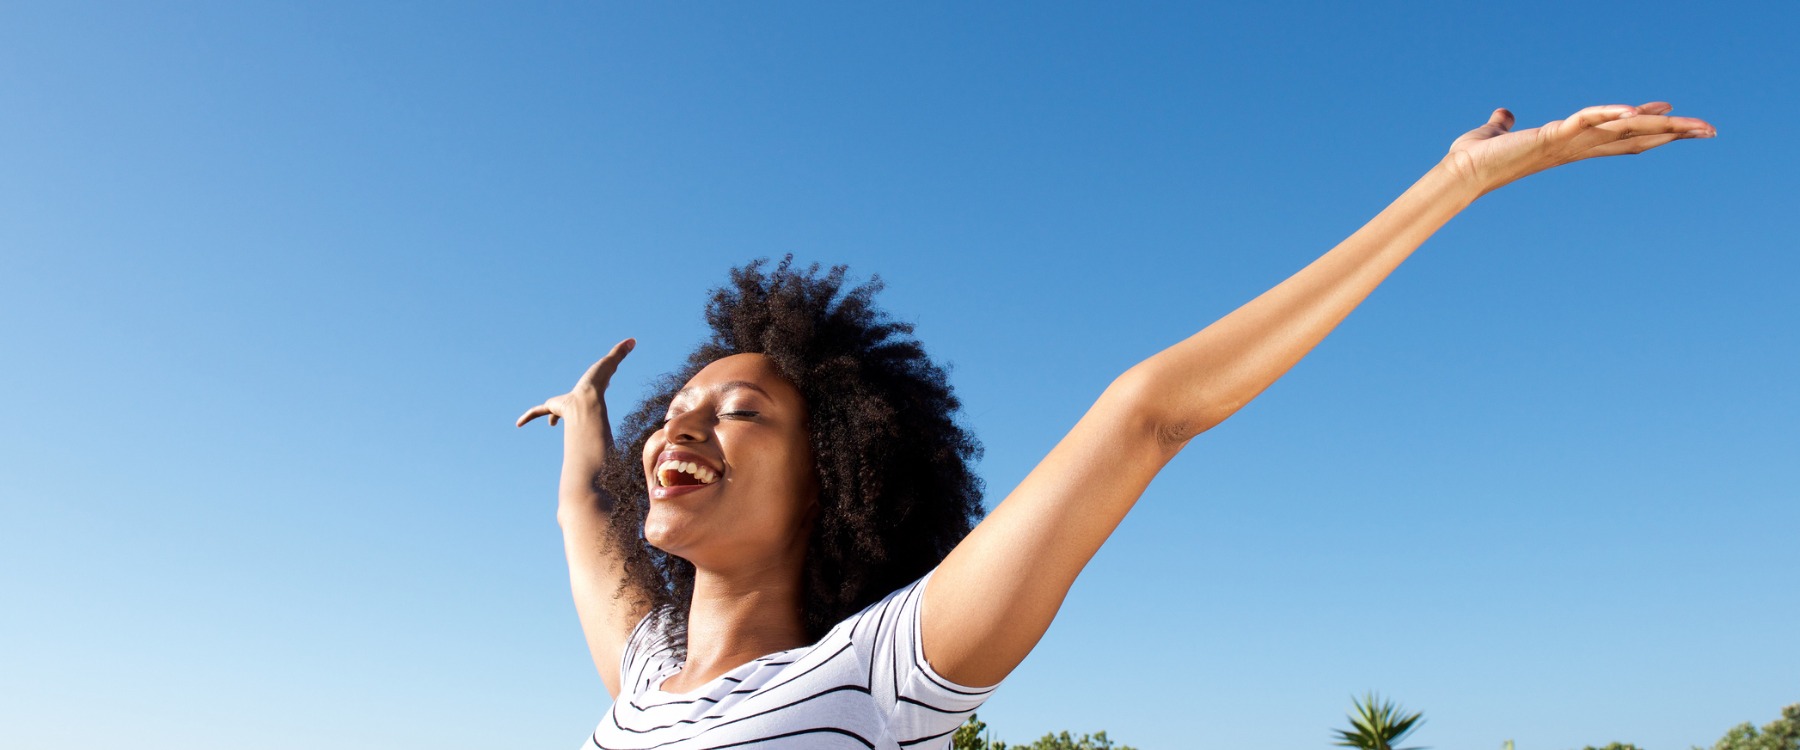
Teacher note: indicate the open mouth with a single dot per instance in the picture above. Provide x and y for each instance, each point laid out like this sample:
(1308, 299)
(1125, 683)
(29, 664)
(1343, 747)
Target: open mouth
(684, 474)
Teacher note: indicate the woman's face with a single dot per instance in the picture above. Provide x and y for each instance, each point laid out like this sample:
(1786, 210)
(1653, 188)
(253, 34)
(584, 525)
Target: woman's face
(731, 474)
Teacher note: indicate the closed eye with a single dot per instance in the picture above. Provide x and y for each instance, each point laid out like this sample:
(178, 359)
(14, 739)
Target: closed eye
(741, 414)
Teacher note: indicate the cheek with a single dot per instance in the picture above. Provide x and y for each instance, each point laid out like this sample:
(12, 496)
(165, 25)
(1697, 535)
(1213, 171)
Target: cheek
(778, 494)
(803, 489)
(804, 468)
(646, 460)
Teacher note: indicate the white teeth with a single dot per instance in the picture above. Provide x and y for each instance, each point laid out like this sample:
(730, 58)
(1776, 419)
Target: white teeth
(690, 468)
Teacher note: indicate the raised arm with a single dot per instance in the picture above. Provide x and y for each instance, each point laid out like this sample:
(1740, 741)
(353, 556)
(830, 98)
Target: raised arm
(992, 599)
(596, 568)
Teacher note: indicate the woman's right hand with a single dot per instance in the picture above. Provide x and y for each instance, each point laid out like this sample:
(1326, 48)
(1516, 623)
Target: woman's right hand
(584, 406)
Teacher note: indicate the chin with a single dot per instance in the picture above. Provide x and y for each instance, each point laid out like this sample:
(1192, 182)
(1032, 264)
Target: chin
(664, 532)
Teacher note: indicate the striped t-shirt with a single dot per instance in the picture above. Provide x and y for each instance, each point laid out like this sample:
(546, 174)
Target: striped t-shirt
(864, 686)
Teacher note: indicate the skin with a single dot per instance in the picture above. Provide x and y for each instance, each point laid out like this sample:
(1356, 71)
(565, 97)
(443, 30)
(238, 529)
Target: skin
(746, 533)
(991, 600)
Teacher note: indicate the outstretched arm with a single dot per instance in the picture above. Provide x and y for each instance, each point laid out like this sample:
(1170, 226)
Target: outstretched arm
(992, 599)
(596, 566)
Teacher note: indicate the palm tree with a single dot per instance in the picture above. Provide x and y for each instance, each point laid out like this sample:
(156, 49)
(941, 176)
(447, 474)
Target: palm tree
(1377, 725)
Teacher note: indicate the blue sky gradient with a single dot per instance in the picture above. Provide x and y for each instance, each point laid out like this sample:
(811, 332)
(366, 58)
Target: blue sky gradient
(275, 279)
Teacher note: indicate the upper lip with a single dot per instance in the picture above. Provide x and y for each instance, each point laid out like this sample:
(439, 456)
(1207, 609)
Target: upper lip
(681, 455)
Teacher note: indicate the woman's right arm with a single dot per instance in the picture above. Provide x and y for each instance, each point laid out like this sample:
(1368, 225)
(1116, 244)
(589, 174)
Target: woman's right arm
(608, 612)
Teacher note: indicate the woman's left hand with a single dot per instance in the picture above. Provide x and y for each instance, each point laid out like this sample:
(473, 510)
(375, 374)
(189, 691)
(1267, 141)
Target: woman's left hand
(1494, 154)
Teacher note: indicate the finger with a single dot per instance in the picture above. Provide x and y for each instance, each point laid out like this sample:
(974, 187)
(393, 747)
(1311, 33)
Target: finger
(1655, 108)
(1502, 118)
(1656, 125)
(553, 420)
(1498, 124)
(1591, 117)
(601, 372)
(1636, 145)
(532, 413)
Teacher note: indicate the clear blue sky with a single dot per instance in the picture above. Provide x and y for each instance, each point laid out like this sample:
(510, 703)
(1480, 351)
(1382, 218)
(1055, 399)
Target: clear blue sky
(276, 278)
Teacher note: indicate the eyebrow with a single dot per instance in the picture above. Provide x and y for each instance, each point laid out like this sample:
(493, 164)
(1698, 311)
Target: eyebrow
(727, 386)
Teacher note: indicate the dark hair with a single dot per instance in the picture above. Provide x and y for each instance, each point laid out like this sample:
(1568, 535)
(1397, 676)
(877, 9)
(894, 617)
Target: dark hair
(896, 491)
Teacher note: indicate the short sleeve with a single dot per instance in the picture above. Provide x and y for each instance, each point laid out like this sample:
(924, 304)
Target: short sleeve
(647, 650)
(923, 706)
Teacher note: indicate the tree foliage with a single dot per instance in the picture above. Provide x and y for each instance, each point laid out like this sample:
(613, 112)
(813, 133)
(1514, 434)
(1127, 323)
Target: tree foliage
(1377, 725)
(974, 735)
(1780, 734)
(1063, 741)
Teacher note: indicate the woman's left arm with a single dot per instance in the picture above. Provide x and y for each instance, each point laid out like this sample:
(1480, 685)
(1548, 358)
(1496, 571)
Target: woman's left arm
(994, 596)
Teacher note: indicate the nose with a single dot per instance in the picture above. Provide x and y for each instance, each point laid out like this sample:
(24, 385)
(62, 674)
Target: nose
(687, 427)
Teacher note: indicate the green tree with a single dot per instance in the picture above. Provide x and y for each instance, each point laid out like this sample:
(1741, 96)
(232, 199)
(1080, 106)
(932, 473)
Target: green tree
(1063, 741)
(1614, 746)
(1780, 734)
(974, 735)
(1377, 725)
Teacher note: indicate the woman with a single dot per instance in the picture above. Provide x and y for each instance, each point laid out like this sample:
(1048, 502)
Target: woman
(783, 556)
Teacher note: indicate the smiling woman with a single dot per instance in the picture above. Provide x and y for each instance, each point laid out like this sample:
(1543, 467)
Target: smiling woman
(804, 464)
(730, 473)
(780, 553)
(799, 401)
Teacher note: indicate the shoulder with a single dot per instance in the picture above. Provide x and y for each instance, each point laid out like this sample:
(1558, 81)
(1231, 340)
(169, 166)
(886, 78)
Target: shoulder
(920, 704)
(877, 619)
(650, 645)
(889, 634)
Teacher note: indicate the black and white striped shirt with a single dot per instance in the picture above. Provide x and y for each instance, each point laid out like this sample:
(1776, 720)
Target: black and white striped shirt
(864, 686)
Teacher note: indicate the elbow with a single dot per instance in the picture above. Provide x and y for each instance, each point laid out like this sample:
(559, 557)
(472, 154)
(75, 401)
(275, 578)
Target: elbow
(1169, 411)
(581, 517)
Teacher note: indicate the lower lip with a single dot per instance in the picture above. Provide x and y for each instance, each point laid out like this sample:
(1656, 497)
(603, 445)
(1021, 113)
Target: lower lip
(669, 493)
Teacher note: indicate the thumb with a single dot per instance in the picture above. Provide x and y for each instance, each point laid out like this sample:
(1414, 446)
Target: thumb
(1501, 120)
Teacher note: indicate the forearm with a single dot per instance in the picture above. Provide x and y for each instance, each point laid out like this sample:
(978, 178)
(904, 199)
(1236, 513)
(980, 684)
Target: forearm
(596, 567)
(584, 510)
(1198, 383)
(585, 514)
(578, 497)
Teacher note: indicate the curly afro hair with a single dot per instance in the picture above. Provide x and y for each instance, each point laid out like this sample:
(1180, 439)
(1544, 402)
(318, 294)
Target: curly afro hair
(896, 491)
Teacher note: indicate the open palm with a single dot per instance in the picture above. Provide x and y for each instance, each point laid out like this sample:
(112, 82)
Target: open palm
(1494, 154)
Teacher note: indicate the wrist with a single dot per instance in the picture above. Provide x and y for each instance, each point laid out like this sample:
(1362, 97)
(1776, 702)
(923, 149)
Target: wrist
(1455, 177)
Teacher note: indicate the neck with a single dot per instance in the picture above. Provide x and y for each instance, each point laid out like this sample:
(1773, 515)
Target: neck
(738, 616)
